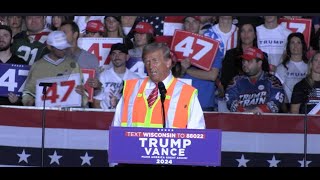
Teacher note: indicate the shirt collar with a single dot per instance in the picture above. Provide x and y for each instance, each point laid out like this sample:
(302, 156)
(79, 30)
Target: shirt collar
(166, 81)
(51, 61)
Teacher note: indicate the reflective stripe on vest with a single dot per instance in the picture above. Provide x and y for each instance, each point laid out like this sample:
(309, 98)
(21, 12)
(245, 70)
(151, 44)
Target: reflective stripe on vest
(137, 113)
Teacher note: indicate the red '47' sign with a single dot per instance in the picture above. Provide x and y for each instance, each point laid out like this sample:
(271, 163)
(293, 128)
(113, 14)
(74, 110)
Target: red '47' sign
(88, 73)
(298, 25)
(199, 49)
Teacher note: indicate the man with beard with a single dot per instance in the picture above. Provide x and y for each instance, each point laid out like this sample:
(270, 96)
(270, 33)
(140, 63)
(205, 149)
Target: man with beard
(112, 79)
(6, 57)
(257, 91)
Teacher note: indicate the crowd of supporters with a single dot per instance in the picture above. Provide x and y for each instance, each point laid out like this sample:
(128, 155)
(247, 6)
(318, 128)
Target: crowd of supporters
(261, 65)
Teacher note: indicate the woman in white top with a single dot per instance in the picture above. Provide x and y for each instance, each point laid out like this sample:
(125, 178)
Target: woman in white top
(294, 65)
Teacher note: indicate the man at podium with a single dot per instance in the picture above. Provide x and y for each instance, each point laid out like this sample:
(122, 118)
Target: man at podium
(159, 100)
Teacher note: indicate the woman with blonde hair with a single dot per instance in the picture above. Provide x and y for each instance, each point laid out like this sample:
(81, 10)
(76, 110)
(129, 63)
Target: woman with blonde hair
(114, 30)
(307, 91)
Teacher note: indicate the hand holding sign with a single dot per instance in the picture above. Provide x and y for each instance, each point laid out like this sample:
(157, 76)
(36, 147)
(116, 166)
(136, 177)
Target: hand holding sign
(13, 98)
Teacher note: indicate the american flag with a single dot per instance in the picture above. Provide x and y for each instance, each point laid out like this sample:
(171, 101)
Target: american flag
(314, 95)
(156, 22)
(80, 138)
(71, 138)
(272, 140)
(164, 26)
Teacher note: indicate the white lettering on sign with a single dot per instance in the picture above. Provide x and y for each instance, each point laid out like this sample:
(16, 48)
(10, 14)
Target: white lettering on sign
(201, 50)
(8, 79)
(167, 147)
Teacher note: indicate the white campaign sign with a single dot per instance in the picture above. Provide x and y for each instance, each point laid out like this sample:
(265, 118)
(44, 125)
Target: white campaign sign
(100, 47)
(62, 93)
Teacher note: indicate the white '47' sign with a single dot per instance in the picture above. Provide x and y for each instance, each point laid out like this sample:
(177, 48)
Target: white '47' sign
(62, 93)
(100, 47)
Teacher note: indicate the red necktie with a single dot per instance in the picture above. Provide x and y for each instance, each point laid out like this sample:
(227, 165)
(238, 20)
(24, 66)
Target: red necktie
(153, 96)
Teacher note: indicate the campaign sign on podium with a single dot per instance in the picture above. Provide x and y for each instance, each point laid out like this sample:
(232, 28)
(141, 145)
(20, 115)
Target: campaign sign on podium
(165, 146)
(62, 92)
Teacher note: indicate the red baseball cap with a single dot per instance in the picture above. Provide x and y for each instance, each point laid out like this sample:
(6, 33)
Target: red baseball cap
(95, 26)
(164, 39)
(144, 27)
(252, 53)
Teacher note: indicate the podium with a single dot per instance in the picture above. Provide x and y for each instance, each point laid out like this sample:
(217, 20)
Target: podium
(165, 146)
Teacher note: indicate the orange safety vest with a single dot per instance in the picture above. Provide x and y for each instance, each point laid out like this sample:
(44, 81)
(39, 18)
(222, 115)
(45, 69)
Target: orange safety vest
(136, 112)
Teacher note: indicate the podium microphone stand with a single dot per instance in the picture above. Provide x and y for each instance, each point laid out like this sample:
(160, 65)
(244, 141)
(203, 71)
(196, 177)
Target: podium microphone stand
(163, 92)
(305, 137)
(305, 126)
(44, 93)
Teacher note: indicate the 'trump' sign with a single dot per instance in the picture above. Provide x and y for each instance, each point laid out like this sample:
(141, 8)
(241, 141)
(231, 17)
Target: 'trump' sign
(165, 146)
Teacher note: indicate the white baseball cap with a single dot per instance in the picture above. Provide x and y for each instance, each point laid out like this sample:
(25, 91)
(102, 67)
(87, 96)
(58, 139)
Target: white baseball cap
(58, 39)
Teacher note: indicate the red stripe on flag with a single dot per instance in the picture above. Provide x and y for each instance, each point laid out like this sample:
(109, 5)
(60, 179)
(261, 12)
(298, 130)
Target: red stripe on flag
(237, 122)
(56, 119)
(174, 19)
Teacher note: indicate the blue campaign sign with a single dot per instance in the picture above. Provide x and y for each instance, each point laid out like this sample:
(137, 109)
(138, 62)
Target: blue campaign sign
(12, 78)
(135, 64)
(165, 146)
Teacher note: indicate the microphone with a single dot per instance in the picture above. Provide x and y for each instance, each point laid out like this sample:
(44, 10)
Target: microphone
(162, 90)
(163, 93)
(44, 92)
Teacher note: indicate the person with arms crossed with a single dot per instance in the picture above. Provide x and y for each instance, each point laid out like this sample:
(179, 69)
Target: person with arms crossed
(257, 91)
(137, 109)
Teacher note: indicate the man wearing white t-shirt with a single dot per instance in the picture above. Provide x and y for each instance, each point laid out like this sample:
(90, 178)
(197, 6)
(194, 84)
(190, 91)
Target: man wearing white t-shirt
(112, 79)
(272, 39)
(227, 31)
